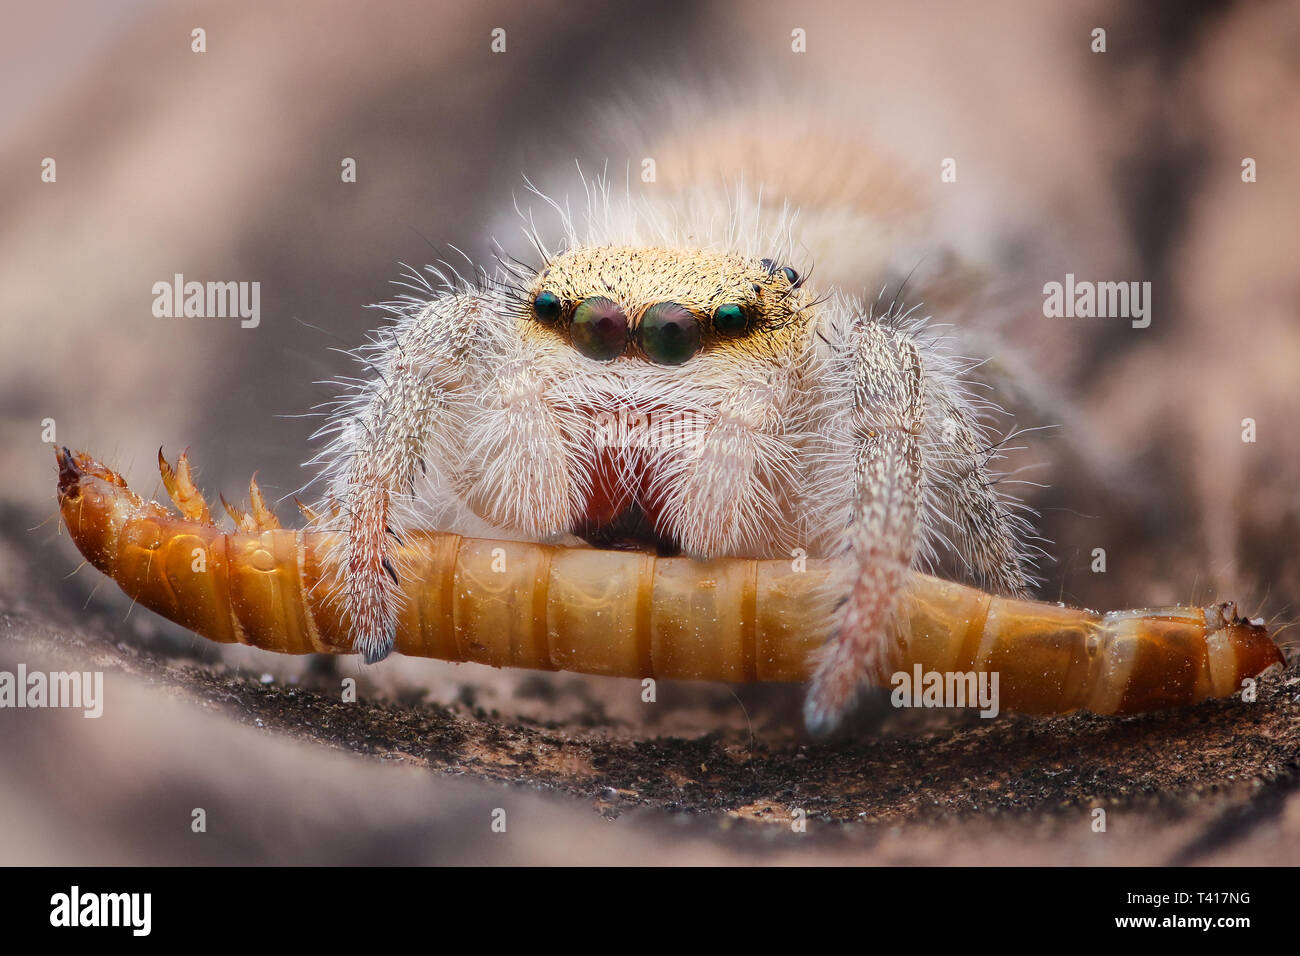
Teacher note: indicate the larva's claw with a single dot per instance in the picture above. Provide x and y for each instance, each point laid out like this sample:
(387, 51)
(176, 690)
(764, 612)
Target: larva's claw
(311, 516)
(236, 513)
(263, 517)
(258, 518)
(179, 483)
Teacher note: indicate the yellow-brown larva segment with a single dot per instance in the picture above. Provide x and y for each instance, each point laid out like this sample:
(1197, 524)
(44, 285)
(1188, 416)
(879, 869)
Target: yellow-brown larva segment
(631, 614)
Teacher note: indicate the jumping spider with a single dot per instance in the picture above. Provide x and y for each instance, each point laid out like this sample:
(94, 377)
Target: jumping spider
(816, 424)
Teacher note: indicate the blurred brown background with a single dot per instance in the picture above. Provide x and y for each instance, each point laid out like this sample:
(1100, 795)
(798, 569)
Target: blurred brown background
(225, 166)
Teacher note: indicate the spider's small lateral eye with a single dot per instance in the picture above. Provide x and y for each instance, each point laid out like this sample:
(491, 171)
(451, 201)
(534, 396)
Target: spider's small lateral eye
(792, 276)
(547, 306)
(729, 319)
(669, 333)
(768, 265)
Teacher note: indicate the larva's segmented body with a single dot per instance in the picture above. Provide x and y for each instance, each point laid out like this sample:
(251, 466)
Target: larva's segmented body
(632, 614)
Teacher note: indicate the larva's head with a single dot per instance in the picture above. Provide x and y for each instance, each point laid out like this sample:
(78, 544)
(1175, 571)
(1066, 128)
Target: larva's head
(647, 304)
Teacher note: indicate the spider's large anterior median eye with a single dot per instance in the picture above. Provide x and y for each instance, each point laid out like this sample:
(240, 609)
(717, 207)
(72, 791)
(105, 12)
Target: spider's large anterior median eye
(729, 319)
(599, 328)
(547, 306)
(669, 333)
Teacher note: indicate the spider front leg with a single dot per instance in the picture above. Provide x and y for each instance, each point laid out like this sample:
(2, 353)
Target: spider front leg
(394, 423)
(885, 424)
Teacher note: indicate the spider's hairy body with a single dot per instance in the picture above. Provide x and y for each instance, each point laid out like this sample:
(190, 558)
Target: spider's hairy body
(804, 422)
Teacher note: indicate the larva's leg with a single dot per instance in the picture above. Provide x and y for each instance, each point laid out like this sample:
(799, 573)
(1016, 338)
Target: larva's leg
(886, 420)
(383, 440)
(984, 531)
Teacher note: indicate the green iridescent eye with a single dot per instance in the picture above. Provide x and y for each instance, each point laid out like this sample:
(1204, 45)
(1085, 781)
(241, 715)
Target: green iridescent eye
(729, 319)
(547, 306)
(669, 333)
(791, 275)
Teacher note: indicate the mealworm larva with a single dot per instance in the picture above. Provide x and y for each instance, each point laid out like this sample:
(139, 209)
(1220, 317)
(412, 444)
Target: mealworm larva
(632, 614)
